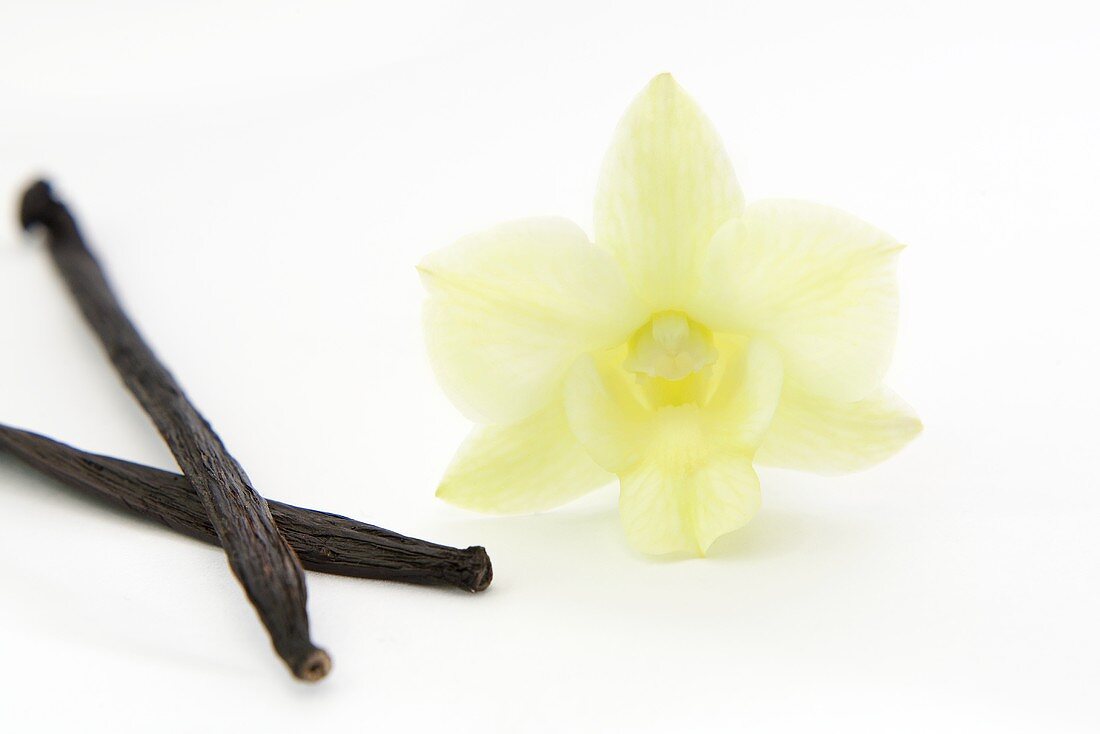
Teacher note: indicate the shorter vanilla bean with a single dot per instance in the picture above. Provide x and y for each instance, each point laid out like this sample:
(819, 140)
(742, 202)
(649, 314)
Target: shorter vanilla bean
(323, 541)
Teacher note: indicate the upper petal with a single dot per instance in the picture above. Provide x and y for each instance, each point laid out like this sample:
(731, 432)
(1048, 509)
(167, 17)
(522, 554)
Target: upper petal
(831, 437)
(819, 283)
(666, 187)
(510, 309)
(528, 466)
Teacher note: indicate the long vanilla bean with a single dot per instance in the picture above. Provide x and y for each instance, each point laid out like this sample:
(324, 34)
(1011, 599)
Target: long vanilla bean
(323, 541)
(258, 555)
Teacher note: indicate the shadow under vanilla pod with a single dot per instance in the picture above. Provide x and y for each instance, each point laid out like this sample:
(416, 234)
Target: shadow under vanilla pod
(231, 510)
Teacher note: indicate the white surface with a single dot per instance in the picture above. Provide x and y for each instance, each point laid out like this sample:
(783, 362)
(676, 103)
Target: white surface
(291, 162)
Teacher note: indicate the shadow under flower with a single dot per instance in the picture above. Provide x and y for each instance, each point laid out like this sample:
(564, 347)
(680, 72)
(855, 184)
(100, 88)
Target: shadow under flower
(778, 532)
(579, 533)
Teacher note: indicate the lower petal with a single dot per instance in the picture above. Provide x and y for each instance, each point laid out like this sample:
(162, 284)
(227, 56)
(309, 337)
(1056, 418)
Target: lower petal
(727, 496)
(666, 511)
(825, 436)
(615, 420)
(653, 508)
(532, 465)
(685, 470)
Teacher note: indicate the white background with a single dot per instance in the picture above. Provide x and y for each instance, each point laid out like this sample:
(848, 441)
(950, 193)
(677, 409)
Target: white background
(260, 180)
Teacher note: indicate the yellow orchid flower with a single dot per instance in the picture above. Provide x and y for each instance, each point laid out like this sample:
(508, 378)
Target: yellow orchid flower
(696, 336)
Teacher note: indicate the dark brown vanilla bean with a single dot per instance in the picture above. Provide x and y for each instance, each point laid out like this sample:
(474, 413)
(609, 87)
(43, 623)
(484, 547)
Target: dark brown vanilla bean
(323, 541)
(258, 555)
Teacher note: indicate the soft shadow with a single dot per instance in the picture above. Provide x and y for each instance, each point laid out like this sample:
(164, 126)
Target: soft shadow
(775, 533)
(576, 535)
(572, 527)
(555, 541)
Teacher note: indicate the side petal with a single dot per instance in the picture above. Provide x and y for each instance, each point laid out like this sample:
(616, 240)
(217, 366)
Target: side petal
(819, 283)
(666, 187)
(529, 466)
(510, 309)
(749, 382)
(606, 412)
(829, 437)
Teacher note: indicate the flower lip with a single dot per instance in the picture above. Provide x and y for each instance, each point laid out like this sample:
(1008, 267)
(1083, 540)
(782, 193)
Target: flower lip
(670, 346)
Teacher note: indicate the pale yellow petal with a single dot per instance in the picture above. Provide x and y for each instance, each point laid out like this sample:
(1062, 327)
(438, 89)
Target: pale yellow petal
(685, 470)
(653, 509)
(510, 309)
(606, 411)
(819, 283)
(727, 496)
(830, 437)
(748, 383)
(613, 416)
(666, 187)
(668, 511)
(532, 465)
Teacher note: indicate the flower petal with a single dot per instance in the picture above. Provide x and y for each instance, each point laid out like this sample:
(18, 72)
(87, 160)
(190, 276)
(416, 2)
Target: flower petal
(749, 382)
(685, 470)
(727, 496)
(666, 511)
(512, 308)
(653, 512)
(528, 466)
(818, 282)
(666, 187)
(609, 413)
(829, 437)
(606, 411)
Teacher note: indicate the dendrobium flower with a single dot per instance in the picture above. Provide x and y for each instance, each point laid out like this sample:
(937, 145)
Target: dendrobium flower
(696, 336)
